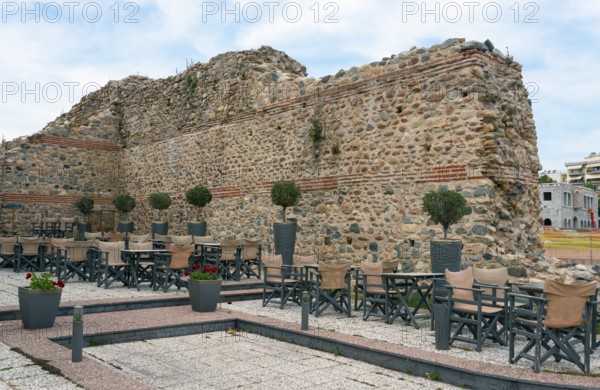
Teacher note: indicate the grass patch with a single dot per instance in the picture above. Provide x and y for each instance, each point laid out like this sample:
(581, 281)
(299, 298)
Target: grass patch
(40, 362)
(434, 375)
(96, 343)
(335, 351)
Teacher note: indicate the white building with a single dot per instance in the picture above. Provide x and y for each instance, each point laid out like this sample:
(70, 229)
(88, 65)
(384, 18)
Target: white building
(586, 171)
(568, 206)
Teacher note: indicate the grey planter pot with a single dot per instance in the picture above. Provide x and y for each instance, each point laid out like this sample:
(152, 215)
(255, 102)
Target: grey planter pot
(285, 240)
(125, 227)
(160, 228)
(204, 294)
(38, 308)
(82, 228)
(196, 228)
(445, 254)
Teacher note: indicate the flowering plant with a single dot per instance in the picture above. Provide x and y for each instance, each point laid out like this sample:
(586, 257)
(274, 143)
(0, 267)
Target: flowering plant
(43, 282)
(209, 272)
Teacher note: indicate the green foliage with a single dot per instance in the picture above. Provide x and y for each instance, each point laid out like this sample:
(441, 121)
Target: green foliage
(124, 203)
(85, 205)
(198, 196)
(335, 146)
(435, 375)
(43, 282)
(191, 82)
(444, 207)
(209, 272)
(316, 131)
(546, 179)
(589, 185)
(160, 200)
(285, 193)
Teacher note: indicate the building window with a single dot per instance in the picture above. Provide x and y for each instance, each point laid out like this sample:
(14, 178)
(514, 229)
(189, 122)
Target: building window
(547, 195)
(567, 199)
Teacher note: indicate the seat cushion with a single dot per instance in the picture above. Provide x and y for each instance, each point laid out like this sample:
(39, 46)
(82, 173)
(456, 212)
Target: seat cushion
(493, 276)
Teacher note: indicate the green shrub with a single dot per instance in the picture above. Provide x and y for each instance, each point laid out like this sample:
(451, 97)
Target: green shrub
(444, 207)
(124, 203)
(285, 193)
(85, 205)
(160, 201)
(198, 196)
(316, 131)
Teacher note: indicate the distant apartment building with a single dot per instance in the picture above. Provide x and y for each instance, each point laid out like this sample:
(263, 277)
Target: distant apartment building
(557, 176)
(568, 206)
(586, 171)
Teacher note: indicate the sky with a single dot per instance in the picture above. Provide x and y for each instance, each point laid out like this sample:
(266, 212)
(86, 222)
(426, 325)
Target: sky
(52, 53)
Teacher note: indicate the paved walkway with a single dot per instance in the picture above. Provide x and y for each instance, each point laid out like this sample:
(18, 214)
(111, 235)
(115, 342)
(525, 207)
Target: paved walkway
(225, 360)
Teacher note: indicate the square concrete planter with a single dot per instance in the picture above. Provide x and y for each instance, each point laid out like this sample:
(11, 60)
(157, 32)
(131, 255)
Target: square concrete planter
(204, 294)
(38, 307)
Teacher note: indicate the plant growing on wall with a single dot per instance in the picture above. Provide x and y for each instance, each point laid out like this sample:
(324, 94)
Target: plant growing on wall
(198, 196)
(160, 201)
(335, 146)
(124, 204)
(285, 193)
(85, 205)
(316, 131)
(444, 207)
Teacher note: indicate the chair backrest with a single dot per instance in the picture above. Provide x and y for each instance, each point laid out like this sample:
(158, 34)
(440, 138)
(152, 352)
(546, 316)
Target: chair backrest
(390, 266)
(305, 260)
(203, 239)
(250, 249)
(77, 250)
(65, 222)
(7, 245)
(145, 246)
(92, 236)
(229, 249)
(115, 236)
(494, 276)
(165, 239)
(462, 279)
(374, 270)
(30, 245)
(182, 240)
(274, 262)
(60, 242)
(139, 237)
(114, 251)
(333, 274)
(180, 255)
(566, 303)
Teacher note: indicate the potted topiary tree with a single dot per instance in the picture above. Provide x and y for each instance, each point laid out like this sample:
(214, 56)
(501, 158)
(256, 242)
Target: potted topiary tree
(198, 196)
(285, 193)
(85, 205)
(446, 208)
(160, 201)
(124, 204)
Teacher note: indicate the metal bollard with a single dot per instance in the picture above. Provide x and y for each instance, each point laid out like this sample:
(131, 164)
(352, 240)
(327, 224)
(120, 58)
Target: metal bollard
(77, 338)
(442, 326)
(305, 309)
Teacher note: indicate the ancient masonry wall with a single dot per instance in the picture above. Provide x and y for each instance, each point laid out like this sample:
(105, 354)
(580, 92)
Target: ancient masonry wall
(451, 115)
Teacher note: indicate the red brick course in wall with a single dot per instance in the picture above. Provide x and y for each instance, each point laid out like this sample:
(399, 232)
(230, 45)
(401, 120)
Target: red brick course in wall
(49, 199)
(76, 143)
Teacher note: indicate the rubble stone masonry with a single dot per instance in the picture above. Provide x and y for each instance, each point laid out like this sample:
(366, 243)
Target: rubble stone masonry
(454, 115)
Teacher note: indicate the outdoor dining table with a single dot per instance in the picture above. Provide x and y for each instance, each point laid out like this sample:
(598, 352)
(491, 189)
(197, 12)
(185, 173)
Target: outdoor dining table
(403, 284)
(133, 257)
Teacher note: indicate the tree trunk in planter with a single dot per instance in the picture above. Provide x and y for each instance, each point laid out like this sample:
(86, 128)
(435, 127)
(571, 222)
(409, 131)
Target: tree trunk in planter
(196, 228)
(445, 254)
(38, 307)
(125, 227)
(160, 228)
(204, 294)
(285, 241)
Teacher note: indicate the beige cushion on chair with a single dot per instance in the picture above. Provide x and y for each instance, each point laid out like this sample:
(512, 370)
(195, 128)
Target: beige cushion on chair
(333, 275)
(114, 251)
(139, 237)
(494, 276)
(305, 260)
(389, 266)
(203, 239)
(180, 256)
(462, 279)
(115, 237)
(566, 303)
(374, 281)
(182, 240)
(274, 263)
(91, 236)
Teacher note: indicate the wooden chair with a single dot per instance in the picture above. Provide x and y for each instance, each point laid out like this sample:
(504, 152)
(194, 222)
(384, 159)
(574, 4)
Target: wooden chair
(115, 236)
(470, 309)
(73, 259)
(139, 237)
(172, 266)
(557, 325)
(7, 251)
(29, 254)
(111, 267)
(228, 260)
(250, 258)
(276, 288)
(182, 240)
(330, 286)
